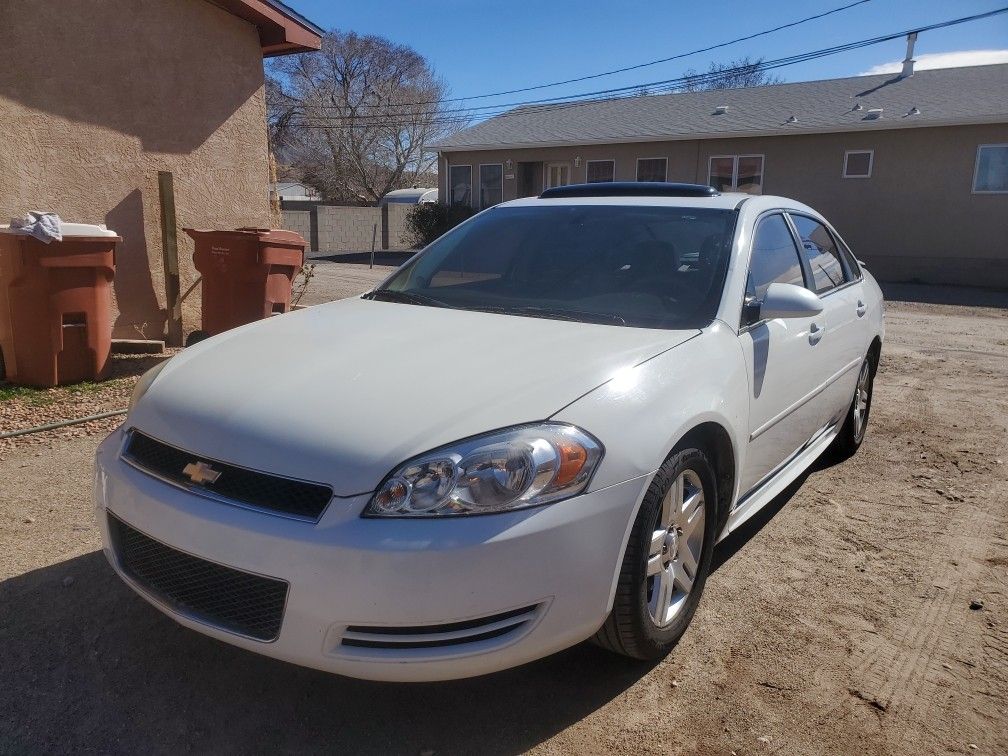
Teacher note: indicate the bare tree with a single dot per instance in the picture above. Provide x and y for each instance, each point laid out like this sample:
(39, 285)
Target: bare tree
(356, 119)
(735, 74)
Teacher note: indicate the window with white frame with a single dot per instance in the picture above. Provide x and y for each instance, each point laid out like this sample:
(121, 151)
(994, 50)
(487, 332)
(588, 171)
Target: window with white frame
(491, 185)
(858, 163)
(652, 169)
(460, 185)
(597, 171)
(990, 176)
(736, 173)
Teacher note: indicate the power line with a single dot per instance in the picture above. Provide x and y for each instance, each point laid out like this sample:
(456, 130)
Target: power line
(677, 56)
(547, 105)
(634, 67)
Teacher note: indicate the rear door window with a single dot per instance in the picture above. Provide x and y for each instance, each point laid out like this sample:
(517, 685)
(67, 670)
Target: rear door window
(821, 254)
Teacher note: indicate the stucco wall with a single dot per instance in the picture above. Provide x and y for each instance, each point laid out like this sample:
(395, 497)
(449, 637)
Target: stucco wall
(916, 218)
(101, 96)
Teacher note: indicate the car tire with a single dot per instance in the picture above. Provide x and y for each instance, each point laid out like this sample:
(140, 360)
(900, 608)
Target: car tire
(852, 433)
(651, 610)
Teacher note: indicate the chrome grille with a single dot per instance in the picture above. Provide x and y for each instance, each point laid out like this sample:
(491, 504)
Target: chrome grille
(233, 600)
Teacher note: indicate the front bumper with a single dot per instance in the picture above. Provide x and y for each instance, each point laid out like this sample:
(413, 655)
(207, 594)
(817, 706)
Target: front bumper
(556, 564)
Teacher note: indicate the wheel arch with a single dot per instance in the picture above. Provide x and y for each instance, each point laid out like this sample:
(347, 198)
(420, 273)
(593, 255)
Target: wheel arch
(713, 439)
(875, 353)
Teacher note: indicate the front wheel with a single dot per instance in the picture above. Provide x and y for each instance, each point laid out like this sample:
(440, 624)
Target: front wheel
(666, 562)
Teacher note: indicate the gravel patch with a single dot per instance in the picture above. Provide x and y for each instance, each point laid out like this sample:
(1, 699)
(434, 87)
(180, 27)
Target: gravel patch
(22, 408)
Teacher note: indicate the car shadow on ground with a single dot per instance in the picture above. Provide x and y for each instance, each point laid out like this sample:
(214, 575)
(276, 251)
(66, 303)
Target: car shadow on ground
(90, 666)
(731, 545)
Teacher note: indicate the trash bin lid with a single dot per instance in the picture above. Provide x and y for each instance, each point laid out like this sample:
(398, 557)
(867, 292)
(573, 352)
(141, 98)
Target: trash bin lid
(68, 229)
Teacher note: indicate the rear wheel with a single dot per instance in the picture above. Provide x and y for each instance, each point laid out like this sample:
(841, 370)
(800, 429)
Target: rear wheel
(852, 433)
(666, 562)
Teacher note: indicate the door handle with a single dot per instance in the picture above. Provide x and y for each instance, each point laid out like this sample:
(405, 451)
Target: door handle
(815, 333)
(861, 309)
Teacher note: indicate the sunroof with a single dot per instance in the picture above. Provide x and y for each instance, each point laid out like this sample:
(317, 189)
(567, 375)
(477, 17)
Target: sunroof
(630, 189)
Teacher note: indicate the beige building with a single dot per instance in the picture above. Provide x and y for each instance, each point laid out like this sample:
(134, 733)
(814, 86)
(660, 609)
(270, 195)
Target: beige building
(912, 170)
(96, 98)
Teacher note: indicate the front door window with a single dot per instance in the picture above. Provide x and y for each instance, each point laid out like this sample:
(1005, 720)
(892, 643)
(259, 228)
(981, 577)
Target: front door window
(557, 174)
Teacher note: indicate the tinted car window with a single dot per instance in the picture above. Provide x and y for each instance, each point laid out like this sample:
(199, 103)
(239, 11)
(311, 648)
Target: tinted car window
(774, 257)
(853, 266)
(644, 266)
(821, 253)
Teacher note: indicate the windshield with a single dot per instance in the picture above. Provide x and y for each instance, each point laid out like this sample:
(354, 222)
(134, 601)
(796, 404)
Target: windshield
(643, 266)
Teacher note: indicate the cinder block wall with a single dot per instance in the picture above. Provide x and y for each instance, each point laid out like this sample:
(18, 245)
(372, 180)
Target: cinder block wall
(397, 226)
(300, 221)
(349, 229)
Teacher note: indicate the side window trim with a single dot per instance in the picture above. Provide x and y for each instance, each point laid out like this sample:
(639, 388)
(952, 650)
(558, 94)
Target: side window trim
(807, 273)
(855, 269)
(851, 277)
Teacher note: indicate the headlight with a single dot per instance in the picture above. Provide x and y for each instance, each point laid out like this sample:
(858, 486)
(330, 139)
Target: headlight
(144, 383)
(498, 472)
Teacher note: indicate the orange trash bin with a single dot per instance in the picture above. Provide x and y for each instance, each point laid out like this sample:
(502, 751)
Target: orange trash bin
(56, 305)
(247, 274)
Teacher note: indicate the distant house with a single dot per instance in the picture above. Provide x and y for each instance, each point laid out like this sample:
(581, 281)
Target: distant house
(295, 192)
(912, 169)
(97, 98)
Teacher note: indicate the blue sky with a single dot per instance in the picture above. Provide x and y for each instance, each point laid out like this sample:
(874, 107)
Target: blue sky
(479, 46)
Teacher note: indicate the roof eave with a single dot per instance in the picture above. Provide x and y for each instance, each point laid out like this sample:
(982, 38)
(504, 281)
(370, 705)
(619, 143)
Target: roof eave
(790, 131)
(282, 30)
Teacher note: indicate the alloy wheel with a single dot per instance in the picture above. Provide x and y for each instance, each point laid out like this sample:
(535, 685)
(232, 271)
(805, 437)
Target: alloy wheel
(861, 400)
(676, 546)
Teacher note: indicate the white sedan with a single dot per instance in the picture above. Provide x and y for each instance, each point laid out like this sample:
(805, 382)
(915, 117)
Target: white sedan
(533, 433)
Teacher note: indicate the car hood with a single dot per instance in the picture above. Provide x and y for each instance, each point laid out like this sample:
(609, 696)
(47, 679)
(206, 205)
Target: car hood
(342, 393)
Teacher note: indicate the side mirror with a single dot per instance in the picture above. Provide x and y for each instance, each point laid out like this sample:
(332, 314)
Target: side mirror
(789, 301)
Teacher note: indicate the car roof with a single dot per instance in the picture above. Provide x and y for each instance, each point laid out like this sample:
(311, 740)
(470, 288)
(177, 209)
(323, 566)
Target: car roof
(725, 201)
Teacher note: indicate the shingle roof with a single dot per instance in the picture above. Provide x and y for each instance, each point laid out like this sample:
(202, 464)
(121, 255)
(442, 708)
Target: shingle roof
(976, 94)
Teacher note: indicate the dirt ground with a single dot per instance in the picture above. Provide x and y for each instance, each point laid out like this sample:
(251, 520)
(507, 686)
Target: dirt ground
(840, 621)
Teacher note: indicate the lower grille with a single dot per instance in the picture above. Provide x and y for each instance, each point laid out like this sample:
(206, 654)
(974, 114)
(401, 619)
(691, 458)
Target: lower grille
(439, 636)
(230, 599)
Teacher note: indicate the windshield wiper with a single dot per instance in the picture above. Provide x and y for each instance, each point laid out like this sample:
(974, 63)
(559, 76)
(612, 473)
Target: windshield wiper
(578, 316)
(406, 297)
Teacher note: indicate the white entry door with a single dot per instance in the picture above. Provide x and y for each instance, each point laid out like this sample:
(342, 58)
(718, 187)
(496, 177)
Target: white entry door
(557, 174)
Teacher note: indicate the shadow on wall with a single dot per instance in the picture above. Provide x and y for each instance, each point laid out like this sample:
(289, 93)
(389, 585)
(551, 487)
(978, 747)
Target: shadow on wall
(134, 288)
(136, 71)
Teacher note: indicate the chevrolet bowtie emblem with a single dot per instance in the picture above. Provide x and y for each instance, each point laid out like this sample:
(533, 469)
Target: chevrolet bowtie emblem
(200, 473)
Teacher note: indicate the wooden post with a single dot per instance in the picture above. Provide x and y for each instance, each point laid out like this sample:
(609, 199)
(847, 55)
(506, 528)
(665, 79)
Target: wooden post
(374, 235)
(169, 254)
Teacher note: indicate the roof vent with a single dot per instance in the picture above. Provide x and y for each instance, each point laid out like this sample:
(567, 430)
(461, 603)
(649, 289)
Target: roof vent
(793, 119)
(720, 110)
(857, 106)
(908, 61)
(913, 111)
(873, 114)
